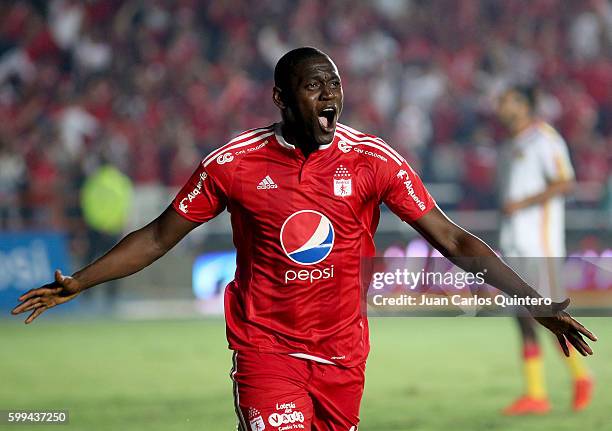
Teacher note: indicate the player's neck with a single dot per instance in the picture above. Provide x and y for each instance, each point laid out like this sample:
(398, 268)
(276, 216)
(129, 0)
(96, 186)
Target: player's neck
(521, 125)
(304, 145)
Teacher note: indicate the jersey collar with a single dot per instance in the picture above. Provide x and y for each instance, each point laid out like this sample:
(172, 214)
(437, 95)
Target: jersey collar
(527, 133)
(283, 143)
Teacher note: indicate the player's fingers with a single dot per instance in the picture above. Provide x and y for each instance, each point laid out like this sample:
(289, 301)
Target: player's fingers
(583, 343)
(21, 307)
(563, 344)
(29, 294)
(576, 324)
(35, 295)
(35, 314)
(35, 306)
(579, 344)
(46, 290)
(576, 345)
(26, 305)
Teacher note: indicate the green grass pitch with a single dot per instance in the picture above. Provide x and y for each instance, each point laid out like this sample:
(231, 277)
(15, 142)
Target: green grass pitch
(423, 374)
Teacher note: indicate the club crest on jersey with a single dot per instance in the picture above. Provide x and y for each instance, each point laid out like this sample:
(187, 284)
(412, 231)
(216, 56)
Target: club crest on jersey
(343, 184)
(256, 420)
(307, 237)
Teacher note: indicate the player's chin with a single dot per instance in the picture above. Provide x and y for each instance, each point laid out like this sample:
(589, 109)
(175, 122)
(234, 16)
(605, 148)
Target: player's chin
(324, 138)
(324, 135)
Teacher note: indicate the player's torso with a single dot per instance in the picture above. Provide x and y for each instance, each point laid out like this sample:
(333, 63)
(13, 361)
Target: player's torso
(524, 174)
(298, 220)
(538, 229)
(301, 226)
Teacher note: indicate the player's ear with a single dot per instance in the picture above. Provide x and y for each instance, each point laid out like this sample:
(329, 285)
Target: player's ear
(277, 97)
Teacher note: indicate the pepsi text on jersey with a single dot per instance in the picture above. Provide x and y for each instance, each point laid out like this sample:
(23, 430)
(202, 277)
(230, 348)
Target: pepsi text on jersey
(307, 238)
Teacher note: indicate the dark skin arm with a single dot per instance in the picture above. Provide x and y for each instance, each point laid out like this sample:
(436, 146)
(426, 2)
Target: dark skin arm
(136, 251)
(471, 254)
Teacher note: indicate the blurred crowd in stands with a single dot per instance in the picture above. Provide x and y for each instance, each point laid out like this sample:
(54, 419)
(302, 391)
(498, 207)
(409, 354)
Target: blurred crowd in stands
(151, 86)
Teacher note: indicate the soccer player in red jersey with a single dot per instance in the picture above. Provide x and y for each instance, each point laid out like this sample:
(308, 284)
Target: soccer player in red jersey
(304, 197)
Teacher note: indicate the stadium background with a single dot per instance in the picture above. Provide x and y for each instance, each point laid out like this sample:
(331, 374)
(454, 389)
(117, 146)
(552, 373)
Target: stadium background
(149, 88)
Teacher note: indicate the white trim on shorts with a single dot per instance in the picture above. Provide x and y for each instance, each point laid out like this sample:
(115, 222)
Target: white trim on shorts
(242, 425)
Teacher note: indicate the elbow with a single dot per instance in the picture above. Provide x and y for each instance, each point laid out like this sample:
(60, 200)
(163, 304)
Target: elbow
(451, 244)
(454, 246)
(569, 187)
(564, 187)
(463, 244)
(157, 246)
(158, 250)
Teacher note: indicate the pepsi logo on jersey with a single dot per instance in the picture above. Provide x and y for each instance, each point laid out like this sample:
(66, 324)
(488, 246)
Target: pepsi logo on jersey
(307, 238)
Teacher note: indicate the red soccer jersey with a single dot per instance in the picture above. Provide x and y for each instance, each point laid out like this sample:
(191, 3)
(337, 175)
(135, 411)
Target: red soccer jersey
(301, 227)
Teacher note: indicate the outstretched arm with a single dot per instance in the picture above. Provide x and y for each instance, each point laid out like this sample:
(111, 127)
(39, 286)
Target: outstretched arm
(471, 254)
(136, 251)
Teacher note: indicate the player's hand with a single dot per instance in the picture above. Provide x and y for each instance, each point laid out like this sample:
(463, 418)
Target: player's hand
(560, 323)
(63, 289)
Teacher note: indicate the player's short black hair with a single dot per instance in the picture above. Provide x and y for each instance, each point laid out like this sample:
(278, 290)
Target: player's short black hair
(287, 63)
(529, 92)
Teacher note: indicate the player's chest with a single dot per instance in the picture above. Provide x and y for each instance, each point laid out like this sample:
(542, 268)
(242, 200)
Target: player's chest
(272, 190)
(523, 162)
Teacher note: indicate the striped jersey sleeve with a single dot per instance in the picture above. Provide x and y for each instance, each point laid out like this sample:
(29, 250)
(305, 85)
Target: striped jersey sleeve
(398, 185)
(404, 192)
(200, 199)
(207, 192)
(554, 155)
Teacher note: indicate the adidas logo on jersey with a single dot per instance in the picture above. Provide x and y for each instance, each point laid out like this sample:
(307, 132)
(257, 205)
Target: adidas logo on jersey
(266, 184)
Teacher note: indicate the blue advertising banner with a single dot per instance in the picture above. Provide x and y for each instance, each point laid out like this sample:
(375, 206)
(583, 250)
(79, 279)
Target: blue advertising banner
(28, 260)
(212, 272)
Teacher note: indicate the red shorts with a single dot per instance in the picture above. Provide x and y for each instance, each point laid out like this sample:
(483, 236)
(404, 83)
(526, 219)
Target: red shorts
(279, 392)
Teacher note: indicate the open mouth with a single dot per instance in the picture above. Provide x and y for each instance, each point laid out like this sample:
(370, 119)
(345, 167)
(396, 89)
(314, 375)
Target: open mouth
(327, 119)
